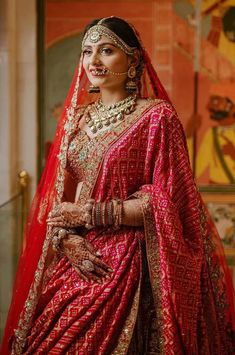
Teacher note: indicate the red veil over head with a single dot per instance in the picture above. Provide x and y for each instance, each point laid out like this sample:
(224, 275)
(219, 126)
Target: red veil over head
(35, 257)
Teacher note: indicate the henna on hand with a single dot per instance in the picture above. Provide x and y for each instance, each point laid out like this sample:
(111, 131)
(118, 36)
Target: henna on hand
(84, 258)
(67, 215)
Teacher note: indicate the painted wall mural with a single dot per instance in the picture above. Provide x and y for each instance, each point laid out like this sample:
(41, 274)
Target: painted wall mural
(215, 121)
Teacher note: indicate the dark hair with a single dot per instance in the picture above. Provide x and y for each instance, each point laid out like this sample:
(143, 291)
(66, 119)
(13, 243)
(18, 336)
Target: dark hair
(121, 28)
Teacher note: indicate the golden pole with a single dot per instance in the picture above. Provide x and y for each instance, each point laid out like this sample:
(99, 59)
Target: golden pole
(24, 188)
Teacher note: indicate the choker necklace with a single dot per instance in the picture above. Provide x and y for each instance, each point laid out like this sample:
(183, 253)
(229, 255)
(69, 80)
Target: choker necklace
(100, 115)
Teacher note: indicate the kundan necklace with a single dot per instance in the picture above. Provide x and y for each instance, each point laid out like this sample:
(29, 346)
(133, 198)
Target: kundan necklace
(100, 115)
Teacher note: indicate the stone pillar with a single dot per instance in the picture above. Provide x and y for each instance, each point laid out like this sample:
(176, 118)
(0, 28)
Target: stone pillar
(18, 128)
(5, 104)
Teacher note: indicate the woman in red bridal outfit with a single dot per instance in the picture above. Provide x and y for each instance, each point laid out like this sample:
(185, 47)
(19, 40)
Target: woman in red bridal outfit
(121, 254)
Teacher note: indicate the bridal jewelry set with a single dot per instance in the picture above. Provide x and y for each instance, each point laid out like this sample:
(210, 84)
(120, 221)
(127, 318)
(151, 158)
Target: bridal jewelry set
(100, 115)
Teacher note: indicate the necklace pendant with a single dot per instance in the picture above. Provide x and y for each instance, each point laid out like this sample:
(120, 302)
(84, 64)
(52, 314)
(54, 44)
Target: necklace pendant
(99, 125)
(90, 123)
(93, 129)
(114, 119)
(107, 123)
(120, 116)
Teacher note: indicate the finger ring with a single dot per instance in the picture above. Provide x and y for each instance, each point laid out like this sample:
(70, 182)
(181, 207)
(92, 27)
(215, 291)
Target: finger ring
(87, 217)
(89, 266)
(89, 226)
(62, 233)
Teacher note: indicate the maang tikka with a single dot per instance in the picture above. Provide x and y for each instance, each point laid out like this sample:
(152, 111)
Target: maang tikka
(96, 32)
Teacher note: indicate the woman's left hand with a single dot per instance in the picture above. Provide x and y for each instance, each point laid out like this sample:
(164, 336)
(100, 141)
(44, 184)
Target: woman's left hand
(67, 215)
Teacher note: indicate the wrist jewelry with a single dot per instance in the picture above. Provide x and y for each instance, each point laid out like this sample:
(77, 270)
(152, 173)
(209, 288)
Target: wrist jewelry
(98, 220)
(88, 215)
(104, 213)
(110, 213)
(93, 215)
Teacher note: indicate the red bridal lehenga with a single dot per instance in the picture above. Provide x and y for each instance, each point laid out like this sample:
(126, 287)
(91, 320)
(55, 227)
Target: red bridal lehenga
(170, 292)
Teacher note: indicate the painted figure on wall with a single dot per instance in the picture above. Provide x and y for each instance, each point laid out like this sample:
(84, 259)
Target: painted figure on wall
(216, 151)
(215, 135)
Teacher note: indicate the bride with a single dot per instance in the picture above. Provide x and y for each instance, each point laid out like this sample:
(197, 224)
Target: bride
(121, 254)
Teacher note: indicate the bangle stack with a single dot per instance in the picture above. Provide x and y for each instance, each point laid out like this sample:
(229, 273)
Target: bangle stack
(104, 213)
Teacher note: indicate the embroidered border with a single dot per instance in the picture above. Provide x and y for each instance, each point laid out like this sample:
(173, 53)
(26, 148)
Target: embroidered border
(128, 328)
(153, 257)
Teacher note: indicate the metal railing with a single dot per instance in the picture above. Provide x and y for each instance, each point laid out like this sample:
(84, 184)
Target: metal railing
(13, 215)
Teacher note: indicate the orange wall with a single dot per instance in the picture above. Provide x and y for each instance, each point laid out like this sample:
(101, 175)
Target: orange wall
(153, 20)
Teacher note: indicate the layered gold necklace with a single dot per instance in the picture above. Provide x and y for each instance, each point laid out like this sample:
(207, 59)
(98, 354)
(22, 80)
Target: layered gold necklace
(100, 115)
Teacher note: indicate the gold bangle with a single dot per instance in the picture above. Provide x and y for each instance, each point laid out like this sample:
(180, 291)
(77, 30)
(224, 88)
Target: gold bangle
(98, 221)
(93, 215)
(88, 214)
(103, 211)
(109, 210)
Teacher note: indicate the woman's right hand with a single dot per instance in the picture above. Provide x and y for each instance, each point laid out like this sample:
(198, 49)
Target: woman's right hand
(84, 258)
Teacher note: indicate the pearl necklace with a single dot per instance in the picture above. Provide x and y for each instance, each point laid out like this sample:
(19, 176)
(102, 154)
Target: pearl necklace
(100, 115)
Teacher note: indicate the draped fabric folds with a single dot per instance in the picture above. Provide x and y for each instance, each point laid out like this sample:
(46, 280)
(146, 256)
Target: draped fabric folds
(55, 312)
(193, 294)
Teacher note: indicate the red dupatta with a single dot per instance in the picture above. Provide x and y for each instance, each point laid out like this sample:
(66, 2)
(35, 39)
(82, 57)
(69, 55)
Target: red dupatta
(193, 290)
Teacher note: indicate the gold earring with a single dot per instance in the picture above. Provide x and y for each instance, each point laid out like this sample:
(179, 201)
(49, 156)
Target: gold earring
(131, 84)
(93, 89)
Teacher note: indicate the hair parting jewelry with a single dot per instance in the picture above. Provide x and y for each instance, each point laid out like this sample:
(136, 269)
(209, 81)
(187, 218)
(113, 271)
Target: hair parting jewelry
(95, 33)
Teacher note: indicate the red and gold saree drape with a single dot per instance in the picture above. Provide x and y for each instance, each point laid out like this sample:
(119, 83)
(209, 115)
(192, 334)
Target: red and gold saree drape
(170, 292)
(169, 278)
